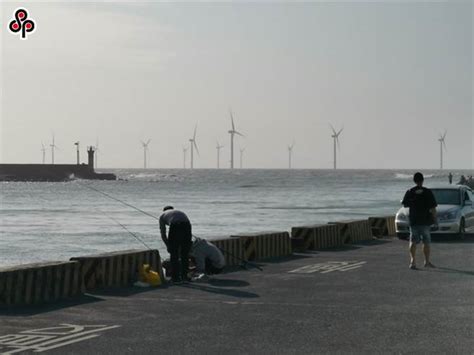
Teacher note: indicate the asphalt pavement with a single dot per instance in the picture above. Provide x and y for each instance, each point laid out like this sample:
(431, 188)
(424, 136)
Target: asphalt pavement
(359, 299)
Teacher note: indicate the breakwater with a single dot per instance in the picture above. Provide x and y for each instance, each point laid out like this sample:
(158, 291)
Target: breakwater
(40, 283)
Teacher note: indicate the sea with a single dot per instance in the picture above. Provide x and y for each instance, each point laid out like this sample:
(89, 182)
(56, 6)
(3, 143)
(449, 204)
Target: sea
(42, 221)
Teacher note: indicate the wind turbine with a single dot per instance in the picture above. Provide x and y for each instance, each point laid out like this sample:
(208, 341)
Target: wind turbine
(193, 145)
(232, 132)
(145, 150)
(290, 153)
(218, 147)
(241, 155)
(43, 149)
(53, 147)
(335, 137)
(442, 144)
(185, 149)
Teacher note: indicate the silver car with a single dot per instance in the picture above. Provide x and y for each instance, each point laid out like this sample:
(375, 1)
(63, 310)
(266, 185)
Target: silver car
(455, 212)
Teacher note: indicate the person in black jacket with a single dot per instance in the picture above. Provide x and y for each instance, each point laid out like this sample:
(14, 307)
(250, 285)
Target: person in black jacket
(422, 204)
(178, 241)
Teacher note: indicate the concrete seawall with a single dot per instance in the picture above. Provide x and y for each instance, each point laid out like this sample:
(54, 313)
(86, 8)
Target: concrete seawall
(49, 282)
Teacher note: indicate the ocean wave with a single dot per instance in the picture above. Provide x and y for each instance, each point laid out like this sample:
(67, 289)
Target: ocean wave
(410, 176)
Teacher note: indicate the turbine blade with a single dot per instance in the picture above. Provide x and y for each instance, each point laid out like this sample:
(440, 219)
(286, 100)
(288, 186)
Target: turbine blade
(195, 129)
(238, 133)
(232, 119)
(195, 146)
(338, 133)
(333, 130)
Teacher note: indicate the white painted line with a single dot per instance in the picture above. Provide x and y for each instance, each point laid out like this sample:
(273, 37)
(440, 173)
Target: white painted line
(67, 343)
(36, 340)
(328, 267)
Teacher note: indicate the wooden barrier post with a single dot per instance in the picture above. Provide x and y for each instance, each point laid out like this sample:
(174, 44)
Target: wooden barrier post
(319, 236)
(264, 245)
(354, 230)
(39, 283)
(116, 269)
(382, 226)
(231, 248)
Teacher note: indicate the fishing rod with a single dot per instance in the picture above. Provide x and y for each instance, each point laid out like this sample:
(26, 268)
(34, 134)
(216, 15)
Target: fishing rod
(128, 230)
(118, 200)
(245, 262)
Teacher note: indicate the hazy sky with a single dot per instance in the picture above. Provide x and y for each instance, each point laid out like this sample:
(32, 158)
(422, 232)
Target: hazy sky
(393, 74)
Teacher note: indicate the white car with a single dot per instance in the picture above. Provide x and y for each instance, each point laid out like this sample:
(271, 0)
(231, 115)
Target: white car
(455, 212)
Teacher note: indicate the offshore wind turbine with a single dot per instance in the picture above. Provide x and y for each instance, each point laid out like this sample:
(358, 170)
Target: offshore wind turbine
(218, 147)
(53, 147)
(290, 153)
(442, 144)
(43, 149)
(145, 150)
(185, 149)
(241, 155)
(232, 132)
(192, 143)
(335, 137)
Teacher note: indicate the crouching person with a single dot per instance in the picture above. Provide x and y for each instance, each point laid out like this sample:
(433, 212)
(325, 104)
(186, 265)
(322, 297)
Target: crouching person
(208, 258)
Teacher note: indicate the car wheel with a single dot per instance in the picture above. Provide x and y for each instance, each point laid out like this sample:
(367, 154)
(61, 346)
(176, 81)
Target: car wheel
(462, 229)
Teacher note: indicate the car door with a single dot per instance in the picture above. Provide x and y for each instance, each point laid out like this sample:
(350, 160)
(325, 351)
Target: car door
(468, 209)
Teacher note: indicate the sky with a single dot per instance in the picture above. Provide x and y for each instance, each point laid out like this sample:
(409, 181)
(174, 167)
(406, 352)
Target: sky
(395, 75)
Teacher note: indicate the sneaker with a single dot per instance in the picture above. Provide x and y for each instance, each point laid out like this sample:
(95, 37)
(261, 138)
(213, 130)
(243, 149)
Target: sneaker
(428, 264)
(200, 278)
(412, 266)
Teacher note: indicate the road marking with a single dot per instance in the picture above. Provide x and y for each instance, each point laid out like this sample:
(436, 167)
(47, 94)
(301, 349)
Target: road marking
(329, 266)
(39, 340)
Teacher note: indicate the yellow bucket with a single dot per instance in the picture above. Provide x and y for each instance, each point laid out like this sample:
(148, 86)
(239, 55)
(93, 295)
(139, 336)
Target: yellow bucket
(149, 276)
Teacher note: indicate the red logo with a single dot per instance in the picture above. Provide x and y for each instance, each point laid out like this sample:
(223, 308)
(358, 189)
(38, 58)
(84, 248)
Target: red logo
(21, 23)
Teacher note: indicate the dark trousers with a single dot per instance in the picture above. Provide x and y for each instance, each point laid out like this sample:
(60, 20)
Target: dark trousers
(179, 240)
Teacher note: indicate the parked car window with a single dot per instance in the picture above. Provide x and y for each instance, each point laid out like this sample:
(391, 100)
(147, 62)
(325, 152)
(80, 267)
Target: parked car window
(447, 196)
(469, 195)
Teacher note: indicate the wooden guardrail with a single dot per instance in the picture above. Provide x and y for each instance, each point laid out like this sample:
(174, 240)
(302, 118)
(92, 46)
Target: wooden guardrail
(319, 236)
(39, 283)
(231, 248)
(352, 231)
(116, 269)
(382, 226)
(264, 245)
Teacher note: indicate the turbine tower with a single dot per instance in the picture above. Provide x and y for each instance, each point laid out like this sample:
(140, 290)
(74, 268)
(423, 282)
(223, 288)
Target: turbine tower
(192, 143)
(241, 155)
(335, 137)
(145, 150)
(290, 153)
(232, 132)
(77, 152)
(442, 145)
(185, 149)
(218, 147)
(53, 147)
(43, 149)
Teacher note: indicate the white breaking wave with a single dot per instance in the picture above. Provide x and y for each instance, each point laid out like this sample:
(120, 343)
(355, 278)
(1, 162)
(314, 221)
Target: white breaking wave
(410, 176)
